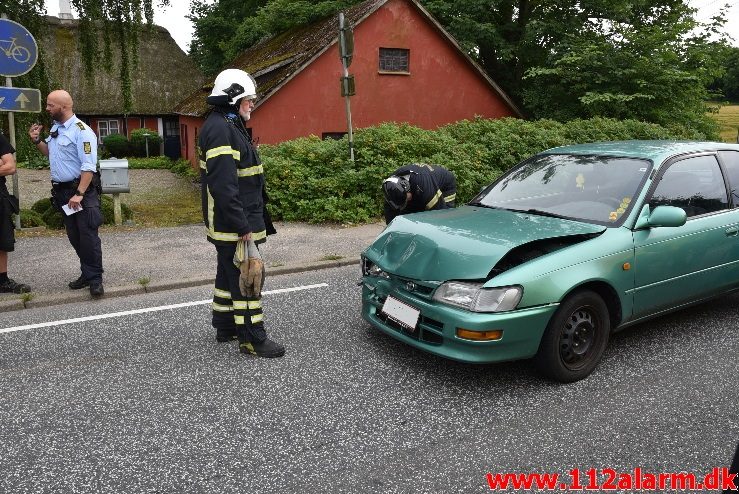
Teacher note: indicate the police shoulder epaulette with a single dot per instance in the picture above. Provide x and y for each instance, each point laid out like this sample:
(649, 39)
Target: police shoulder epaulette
(81, 125)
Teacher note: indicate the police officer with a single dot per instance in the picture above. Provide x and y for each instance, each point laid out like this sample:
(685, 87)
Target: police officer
(418, 187)
(234, 208)
(8, 206)
(72, 150)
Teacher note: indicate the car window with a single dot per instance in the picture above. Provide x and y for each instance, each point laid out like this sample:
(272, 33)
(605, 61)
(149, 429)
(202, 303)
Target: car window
(731, 163)
(596, 189)
(694, 184)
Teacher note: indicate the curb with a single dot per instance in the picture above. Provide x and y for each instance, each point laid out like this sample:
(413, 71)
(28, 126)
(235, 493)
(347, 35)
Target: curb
(123, 291)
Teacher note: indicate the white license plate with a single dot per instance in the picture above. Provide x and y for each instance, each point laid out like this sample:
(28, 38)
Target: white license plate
(401, 313)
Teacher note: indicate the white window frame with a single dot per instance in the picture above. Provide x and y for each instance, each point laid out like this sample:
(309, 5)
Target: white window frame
(105, 128)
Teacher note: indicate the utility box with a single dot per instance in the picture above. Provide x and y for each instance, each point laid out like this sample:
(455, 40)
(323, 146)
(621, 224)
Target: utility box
(114, 176)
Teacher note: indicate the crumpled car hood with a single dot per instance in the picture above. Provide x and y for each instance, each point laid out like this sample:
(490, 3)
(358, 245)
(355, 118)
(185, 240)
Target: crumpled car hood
(462, 243)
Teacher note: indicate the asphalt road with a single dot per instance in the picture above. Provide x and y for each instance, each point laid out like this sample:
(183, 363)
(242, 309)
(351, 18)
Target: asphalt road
(149, 402)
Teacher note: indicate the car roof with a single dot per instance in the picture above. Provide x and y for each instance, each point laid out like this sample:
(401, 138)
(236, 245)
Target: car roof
(657, 151)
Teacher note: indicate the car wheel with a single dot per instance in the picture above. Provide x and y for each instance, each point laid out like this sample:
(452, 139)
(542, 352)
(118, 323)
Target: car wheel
(575, 338)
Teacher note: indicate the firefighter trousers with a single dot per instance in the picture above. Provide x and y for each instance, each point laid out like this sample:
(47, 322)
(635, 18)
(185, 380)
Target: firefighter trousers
(233, 312)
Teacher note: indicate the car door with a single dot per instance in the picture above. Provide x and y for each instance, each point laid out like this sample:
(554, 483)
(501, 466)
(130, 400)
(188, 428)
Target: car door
(676, 265)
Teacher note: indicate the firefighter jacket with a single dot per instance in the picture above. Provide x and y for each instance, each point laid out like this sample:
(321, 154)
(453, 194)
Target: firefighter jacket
(432, 187)
(234, 193)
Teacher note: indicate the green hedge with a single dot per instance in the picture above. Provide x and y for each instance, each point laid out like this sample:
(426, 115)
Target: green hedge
(313, 180)
(154, 163)
(116, 145)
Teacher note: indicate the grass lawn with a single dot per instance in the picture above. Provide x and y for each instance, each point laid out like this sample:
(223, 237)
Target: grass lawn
(177, 204)
(728, 119)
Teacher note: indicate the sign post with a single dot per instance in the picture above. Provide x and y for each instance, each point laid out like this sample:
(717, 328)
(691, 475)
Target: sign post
(18, 55)
(346, 51)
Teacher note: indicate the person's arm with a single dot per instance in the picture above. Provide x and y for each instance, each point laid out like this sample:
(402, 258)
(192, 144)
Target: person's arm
(34, 132)
(7, 166)
(7, 160)
(88, 155)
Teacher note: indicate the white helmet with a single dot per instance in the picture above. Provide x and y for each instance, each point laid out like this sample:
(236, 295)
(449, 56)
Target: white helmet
(235, 84)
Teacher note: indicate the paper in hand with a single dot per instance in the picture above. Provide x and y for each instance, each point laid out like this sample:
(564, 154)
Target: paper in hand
(69, 211)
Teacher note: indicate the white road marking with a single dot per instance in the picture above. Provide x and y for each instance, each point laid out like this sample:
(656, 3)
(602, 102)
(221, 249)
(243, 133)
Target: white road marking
(144, 311)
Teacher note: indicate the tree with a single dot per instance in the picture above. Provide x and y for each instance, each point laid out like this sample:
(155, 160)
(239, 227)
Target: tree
(726, 85)
(644, 65)
(225, 29)
(215, 29)
(612, 58)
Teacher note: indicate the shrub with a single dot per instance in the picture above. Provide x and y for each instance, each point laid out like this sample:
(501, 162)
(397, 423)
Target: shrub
(183, 168)
(31, 219)
(116, 145)
(138, 142)
(53, 219)
(313, 180)
(35, 161)
(155, 163)
(42, 205)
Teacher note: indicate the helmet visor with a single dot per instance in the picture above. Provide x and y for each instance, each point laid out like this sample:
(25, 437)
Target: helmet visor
(395, 190)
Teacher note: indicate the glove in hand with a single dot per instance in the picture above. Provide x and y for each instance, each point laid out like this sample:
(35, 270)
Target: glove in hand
(255, 271)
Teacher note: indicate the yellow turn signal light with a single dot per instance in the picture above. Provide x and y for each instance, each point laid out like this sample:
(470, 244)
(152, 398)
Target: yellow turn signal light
(493, 335)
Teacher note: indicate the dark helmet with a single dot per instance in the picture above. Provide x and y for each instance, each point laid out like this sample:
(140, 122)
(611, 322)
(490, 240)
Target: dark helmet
(396, 191)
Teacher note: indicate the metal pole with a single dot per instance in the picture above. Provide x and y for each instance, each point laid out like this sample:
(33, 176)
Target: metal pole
(346, 98)
(11, 130)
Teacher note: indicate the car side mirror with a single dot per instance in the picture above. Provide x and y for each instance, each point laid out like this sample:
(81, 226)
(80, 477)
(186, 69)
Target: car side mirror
(665, 216)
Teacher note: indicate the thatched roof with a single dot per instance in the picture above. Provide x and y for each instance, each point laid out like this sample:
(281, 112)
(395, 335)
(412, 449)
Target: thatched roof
(277, 60)
(163, 77)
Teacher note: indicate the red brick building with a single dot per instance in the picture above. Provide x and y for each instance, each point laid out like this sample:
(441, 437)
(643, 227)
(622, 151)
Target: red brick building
(407, 68)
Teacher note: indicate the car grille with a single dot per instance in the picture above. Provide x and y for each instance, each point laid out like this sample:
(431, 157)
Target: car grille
(413, 287)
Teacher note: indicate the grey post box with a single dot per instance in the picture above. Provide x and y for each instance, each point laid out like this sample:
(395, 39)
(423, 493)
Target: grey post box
(114, 175)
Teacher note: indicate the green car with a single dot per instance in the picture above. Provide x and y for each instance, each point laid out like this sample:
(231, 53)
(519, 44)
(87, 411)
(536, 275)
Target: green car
(563, 249)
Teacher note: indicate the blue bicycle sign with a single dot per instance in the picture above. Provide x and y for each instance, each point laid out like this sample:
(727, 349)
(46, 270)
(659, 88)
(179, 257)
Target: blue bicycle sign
(18, 49)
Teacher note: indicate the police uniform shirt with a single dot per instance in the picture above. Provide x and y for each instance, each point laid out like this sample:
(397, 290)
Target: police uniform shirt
(72, 151)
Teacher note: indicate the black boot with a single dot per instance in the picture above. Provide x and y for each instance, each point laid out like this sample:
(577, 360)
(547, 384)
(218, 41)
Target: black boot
(96, 289)
(12, 286)
(266, 348)
(78, 283)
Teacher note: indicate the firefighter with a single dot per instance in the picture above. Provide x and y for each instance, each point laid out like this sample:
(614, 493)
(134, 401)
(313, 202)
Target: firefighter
(234, 210)
(418, 187)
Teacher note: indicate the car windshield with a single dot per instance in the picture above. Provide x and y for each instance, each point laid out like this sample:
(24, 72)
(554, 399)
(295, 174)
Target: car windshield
(595, 189)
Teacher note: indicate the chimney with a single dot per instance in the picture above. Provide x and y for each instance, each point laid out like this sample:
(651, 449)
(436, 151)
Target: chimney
(65, 10)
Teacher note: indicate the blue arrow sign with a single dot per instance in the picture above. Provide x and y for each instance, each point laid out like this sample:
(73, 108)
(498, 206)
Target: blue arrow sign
(20, 99)
(18, 49)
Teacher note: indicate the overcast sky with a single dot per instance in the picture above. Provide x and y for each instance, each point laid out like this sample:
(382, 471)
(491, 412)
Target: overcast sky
(173, 17)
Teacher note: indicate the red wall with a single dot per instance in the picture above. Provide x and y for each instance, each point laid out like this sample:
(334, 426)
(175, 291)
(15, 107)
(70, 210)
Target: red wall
(189, 129)
(442, 86)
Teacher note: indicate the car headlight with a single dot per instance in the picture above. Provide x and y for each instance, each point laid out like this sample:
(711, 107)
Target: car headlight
(371, 269)
(473, 297)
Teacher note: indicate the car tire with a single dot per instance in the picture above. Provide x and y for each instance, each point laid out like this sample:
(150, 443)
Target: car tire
(575, 338)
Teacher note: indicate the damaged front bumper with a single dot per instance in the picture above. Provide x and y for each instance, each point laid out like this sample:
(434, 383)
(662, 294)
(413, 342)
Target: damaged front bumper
(437, 324)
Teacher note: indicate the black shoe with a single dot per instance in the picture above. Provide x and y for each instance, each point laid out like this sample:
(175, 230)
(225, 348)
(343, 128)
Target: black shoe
(266, 348)
(96, 289)
(12, 286)
(225, 335)
(78, 283)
